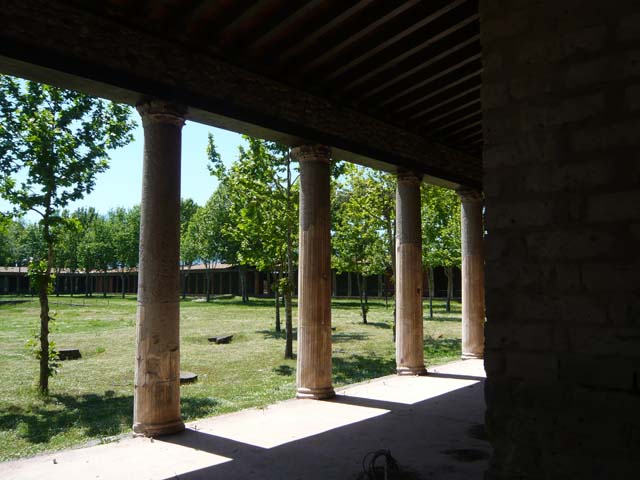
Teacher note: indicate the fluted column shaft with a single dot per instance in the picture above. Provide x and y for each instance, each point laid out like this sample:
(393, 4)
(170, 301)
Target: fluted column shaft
(409, 331)
(314, 274)
(157, 374)
(473, 311)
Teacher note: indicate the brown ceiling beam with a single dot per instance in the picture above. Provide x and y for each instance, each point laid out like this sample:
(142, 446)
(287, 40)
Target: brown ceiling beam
(405, 73)
(337, 22)
(239, 30)
(463, 133)
(442, 108)
(258, 44)
(453, 115)
(356, 36)
(455, 122)
(474, 71)
(347, 66)
(209, 16)
(71, 48)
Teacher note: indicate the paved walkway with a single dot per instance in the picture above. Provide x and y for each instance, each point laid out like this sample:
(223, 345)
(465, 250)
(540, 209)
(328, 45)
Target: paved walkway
(431, 424)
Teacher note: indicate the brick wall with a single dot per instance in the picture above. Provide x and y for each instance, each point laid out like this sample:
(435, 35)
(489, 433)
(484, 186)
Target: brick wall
(561, 99)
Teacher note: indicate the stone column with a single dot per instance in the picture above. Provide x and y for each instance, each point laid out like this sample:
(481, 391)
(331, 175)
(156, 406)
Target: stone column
(314, 274)
(157, 377)
(409, 334)
(473, 313)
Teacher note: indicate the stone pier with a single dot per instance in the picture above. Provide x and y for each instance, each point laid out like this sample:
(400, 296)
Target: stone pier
(409, 334)
(314, 273)
(157, 373)
(472, 274)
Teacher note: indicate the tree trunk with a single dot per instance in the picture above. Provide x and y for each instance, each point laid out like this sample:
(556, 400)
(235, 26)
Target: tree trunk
(43, 383)
(288, 349)
(43, 293)
(391, 236)
(185, 280)
(104, 285)
(123, 278)
(243, 284)
(208, 284)
(276, 292)
(366, 298)
(449, 272)
(360, 280)
(432, 288)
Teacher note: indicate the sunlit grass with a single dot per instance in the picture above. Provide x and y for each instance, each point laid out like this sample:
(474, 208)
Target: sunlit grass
(92, 398)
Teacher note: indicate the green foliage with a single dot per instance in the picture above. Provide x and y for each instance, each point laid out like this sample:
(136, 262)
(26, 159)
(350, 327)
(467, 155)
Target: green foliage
(188, 208)
(261, 223)
(53, 143)
(204, 236)
(359, 242)
(123, 226)
(38, 276)
(14, 250)
(262, 195)
(440, 227)
(362, 221)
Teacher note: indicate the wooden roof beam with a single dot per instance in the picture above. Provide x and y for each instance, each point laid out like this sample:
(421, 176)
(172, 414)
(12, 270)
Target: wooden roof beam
(294, 50)
(73, 48)
(336, 49)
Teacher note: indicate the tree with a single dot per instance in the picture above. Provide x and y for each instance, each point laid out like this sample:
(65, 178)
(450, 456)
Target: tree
(13, 247)
(53, 143)
(67, 250)
(104, 249)
(359, 230)
(188, 250)
(262, 187)
(440, 236)
(203, 236)
(87, 253)
(124, 228)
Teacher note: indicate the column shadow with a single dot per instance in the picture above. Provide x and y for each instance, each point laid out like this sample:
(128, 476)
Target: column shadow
(437, 438)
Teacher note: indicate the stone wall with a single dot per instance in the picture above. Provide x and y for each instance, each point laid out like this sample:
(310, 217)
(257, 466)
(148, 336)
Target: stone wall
(561, 100)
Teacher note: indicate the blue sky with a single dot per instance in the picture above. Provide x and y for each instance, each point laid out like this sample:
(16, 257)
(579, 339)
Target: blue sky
(121, 185)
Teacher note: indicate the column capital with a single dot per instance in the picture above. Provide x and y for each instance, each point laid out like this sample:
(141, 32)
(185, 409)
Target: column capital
(409, 177)
(467, 194)
(311, 153)
(159, 111)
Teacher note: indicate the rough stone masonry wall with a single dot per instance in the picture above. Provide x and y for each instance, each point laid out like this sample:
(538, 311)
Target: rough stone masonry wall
(561, 96)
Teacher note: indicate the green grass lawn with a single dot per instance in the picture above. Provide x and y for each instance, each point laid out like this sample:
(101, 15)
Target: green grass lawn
(92, 398)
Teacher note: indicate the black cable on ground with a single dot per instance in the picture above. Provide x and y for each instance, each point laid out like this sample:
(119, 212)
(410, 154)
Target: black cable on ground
(387, 471)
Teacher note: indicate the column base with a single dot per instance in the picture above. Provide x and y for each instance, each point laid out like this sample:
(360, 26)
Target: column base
(155, 430)
(405, 371)
(472, 356)
(315, 393)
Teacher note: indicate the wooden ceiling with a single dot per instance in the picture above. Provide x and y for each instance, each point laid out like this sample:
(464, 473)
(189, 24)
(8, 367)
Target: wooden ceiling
(414, 64)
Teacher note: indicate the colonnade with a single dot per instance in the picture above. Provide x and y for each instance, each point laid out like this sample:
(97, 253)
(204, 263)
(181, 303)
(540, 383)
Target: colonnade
(157, 376)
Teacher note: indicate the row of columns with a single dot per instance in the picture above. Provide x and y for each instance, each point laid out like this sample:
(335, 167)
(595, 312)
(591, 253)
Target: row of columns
(157, 375)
